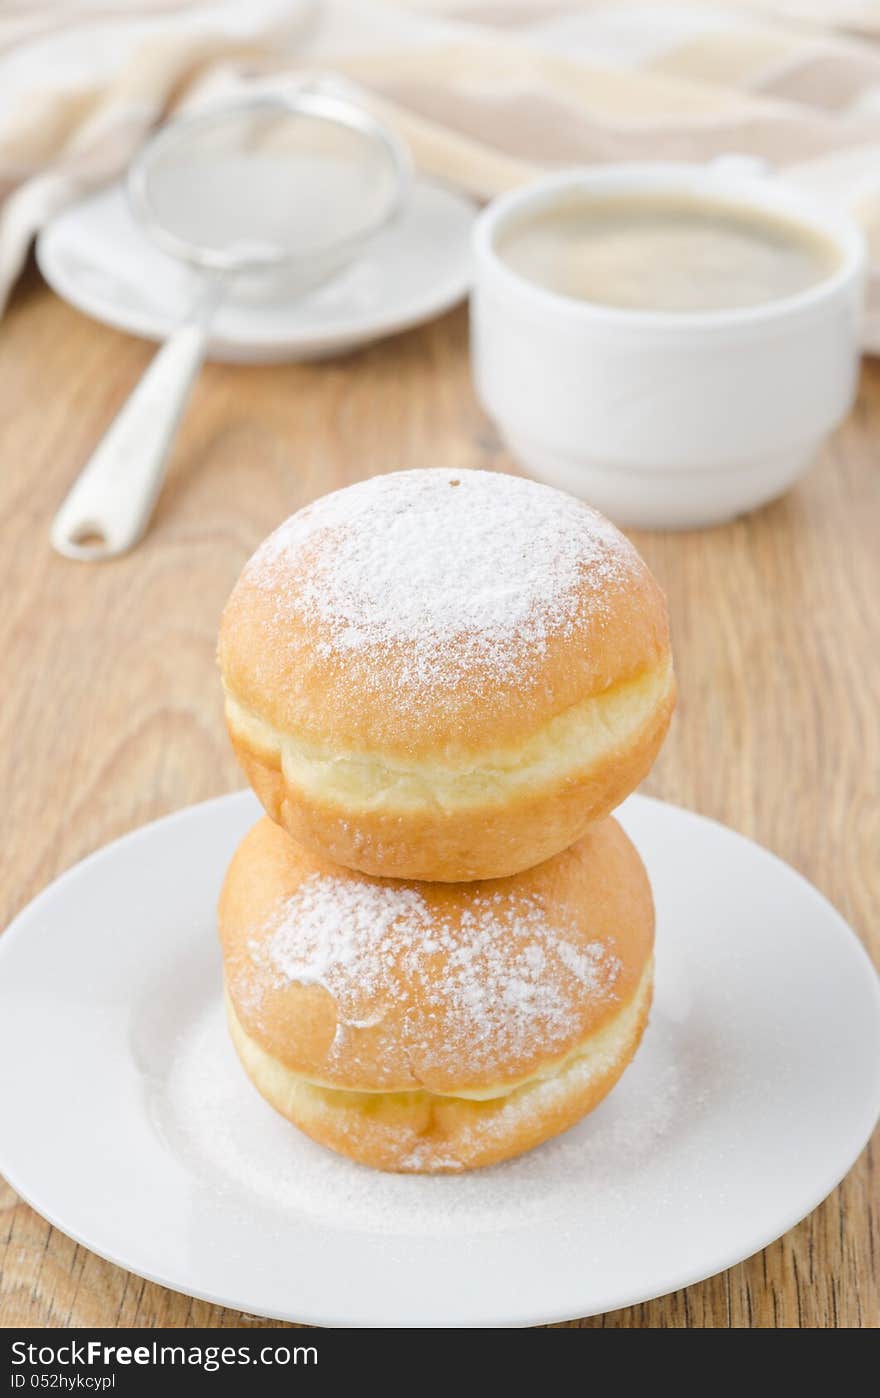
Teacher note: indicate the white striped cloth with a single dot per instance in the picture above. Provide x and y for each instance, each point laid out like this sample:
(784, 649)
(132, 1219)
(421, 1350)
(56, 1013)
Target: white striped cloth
(487, 92)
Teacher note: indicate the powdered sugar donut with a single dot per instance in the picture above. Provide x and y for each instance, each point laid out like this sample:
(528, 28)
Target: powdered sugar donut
(445, 676)
(436, 1027)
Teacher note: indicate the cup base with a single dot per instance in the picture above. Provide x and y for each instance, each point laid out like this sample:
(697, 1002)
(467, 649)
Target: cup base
(664, 498)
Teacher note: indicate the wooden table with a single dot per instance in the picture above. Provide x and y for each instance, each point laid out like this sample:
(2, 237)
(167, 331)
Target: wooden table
(111, 709)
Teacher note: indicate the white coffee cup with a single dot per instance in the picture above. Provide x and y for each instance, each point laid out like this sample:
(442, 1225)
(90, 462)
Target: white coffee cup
(660, 420)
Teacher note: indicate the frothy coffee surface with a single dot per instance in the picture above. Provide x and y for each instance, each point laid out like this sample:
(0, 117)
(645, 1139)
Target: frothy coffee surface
(665, 254)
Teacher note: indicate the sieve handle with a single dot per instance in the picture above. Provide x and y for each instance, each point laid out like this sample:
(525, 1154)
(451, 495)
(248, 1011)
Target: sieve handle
(110, 505)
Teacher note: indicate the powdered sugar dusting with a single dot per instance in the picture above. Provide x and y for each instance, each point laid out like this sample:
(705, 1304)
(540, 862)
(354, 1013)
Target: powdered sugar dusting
(456, 574)
(480, 988)
(631, 1153)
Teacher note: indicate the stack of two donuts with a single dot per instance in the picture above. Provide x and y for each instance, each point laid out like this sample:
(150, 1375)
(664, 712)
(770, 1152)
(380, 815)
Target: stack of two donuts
(438, 946)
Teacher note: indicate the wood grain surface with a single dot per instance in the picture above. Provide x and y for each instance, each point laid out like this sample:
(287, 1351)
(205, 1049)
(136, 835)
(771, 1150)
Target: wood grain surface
(111, 712)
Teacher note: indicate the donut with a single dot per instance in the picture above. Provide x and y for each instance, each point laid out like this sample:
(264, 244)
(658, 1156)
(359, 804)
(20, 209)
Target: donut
(430, 1027)
(445, 675)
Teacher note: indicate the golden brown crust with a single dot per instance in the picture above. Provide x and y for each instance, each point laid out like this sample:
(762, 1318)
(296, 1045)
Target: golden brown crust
(277, 661)
(546, 958)
(426, 725)
(503, 836)
(297, 688)
(421, 1133)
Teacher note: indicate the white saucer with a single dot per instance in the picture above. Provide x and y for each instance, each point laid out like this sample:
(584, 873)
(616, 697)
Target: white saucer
(129, 1125)
(95, 255)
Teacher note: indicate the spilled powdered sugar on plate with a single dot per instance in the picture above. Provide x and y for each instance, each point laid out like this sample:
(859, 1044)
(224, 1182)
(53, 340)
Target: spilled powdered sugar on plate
(459, 574)
(479, 987)
(236, 1145)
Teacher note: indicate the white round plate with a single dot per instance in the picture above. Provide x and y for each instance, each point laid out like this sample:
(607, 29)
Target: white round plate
(129, 1124)
(95, 255)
